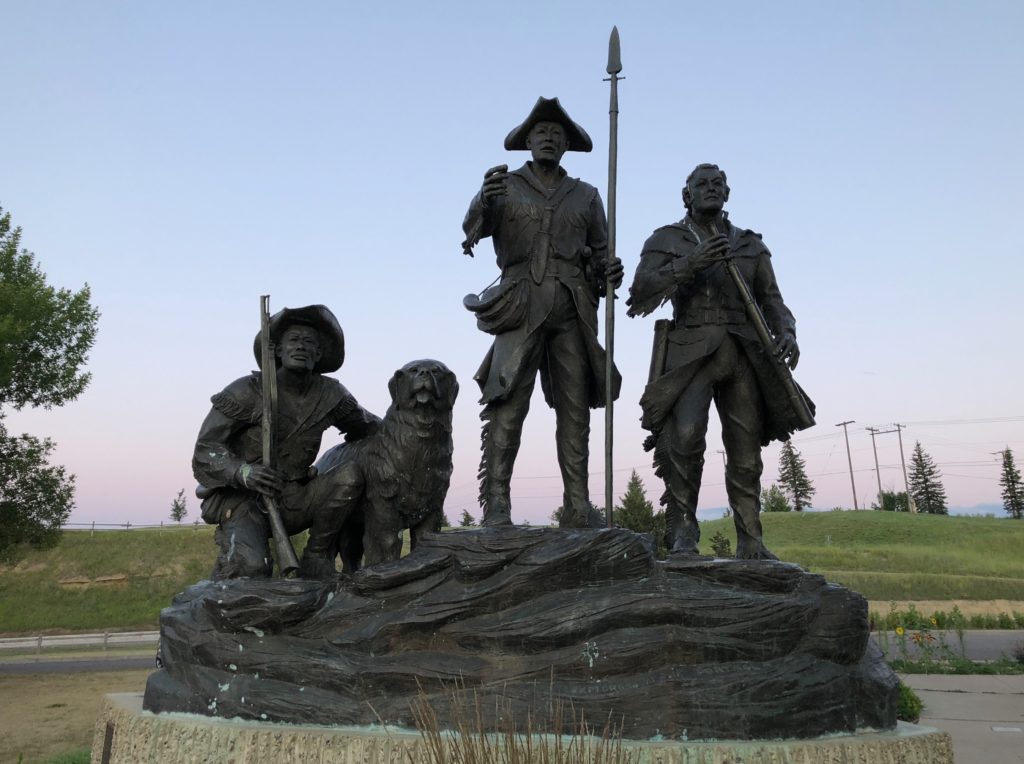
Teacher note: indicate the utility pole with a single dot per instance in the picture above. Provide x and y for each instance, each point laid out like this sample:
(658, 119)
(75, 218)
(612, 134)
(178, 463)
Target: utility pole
(906, 486)
(849, 461)
(878, 474)
(875, 431)
(728, 507)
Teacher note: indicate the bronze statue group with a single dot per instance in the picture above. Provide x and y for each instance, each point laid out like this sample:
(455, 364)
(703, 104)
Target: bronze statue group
(731, 340)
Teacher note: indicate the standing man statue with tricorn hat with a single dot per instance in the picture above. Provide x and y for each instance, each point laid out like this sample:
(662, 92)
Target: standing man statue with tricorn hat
(228, 456)
(731, 340)
(550, 237)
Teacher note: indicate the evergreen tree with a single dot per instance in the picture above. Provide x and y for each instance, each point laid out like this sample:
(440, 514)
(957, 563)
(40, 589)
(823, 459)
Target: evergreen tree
(926, 483)
(793, 477)
(774, 500)
(467, 519)
(1013, 490)
(45, 335)
(720, 545)
(635, 512)
(178, 510)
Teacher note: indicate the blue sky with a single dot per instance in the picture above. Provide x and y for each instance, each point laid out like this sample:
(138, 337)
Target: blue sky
(184, 158)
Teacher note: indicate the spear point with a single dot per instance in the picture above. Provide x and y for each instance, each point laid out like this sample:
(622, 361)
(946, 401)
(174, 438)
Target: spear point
(614, 56)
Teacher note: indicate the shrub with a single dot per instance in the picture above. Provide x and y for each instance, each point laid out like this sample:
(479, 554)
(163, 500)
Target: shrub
(1018, 652)
(908, 705)
(720, 545)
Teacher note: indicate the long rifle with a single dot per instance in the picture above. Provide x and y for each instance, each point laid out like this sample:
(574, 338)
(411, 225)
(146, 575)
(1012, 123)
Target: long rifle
(613, 69)
(804, 418)
(287, 562)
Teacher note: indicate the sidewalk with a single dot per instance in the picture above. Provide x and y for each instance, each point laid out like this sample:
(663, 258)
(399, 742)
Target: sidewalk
(984, 714)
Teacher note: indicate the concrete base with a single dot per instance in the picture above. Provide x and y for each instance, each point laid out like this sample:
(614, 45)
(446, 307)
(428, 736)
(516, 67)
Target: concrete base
(125, 734)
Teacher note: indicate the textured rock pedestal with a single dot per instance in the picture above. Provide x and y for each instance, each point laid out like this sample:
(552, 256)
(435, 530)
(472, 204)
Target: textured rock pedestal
(525, 620)
(126, 735)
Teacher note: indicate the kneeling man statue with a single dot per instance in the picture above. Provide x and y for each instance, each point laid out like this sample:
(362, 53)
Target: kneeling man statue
(228, 464)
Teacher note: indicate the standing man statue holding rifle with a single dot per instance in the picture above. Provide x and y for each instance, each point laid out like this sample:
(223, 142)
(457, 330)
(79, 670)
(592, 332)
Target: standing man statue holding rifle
(249, 472)
(732, 340)
(550, 237)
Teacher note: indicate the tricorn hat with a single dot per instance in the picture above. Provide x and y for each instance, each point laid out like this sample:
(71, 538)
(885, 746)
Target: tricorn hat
(332, 339)
(549, 110)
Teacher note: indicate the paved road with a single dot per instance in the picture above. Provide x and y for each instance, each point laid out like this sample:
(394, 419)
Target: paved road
(76, 665)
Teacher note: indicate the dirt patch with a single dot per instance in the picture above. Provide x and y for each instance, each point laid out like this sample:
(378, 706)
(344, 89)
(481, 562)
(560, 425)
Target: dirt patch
(25, 567)
(171, 569)
(80, 582)
(43, 715)
(75, 583)
(967, 607)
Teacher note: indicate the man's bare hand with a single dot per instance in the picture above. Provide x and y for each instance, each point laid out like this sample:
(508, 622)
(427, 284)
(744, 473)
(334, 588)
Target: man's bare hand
(495, 183)
(262, 479)
(787, 349)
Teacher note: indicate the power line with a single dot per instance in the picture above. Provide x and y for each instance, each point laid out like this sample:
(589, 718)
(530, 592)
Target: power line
(987, 420)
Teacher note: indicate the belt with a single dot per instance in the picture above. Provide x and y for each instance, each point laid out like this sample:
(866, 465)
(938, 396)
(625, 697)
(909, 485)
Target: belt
(714, 317)
(555, 267)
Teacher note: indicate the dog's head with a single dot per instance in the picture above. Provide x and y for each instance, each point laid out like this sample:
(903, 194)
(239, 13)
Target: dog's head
(422, 383)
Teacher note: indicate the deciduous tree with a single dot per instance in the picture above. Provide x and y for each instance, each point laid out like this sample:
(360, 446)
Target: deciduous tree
(36, 497)
(178, 508)
(926, 483)
(45, 336)
(774, 500)
(893, 502)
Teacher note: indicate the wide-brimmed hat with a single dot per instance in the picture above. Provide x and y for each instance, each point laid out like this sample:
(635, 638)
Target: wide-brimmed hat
(549, 110)
(332, 339)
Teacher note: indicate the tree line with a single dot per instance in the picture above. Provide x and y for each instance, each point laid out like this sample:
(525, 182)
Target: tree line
(45, 337)
(793, 490)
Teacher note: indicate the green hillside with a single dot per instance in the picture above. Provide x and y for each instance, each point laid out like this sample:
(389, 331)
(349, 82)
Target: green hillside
(121, 579)
(896, 556)
(109, 579)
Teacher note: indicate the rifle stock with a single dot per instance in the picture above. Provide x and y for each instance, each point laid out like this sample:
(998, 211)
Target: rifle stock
(286, 560)
(802, 412)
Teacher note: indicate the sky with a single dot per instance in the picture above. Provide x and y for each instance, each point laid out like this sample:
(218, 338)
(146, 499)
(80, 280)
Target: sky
(184, 158)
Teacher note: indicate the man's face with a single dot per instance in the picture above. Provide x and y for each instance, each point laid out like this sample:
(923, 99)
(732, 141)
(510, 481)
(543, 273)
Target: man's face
(299, 348)
(707, 192)
(547, 142)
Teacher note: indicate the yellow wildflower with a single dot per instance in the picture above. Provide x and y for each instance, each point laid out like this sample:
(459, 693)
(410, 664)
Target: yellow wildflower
(899, 631)
(934, 622)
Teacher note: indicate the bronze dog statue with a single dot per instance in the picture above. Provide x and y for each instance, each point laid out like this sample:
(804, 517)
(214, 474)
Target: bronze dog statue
(398, 477)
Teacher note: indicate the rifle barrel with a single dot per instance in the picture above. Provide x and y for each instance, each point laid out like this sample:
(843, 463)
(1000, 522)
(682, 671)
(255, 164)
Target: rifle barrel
(286, 559)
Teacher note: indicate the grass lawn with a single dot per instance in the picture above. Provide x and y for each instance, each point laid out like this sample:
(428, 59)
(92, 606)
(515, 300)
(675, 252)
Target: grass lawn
(894, 556)
(121, 579)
